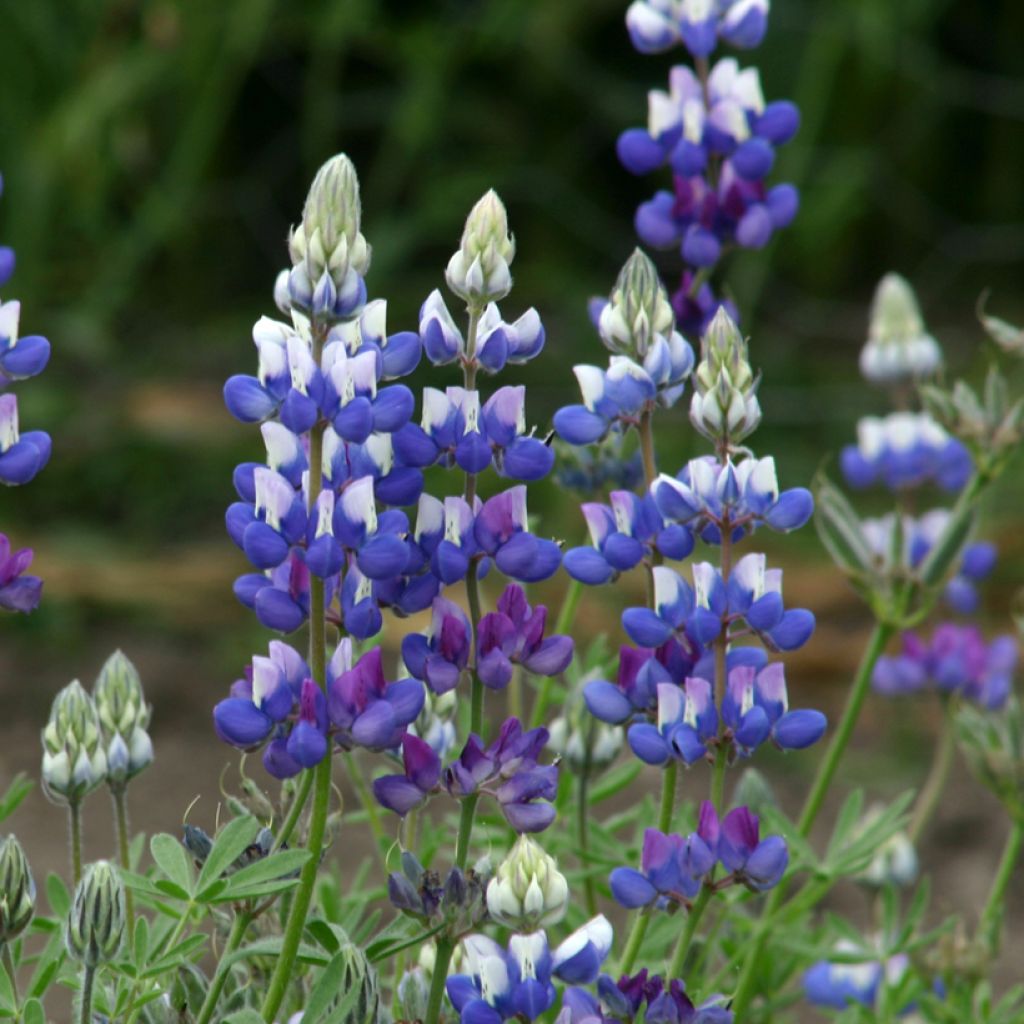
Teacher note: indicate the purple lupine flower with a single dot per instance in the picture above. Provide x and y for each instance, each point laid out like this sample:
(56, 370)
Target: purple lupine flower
(671, 871)
(509, 771)
(22, 455)
(905, 450)
(365, 710)
(758, 863)
(955, 660)
(280, 597)
(501, 530)
(640, 671)
(262, 699)
(695, 311)
(514, 635)
(668, 1004)
(18, 592)
(976, 563)
(686, 725)
(502, 984)
(756, 708)
(20, 358)
(440, 656)
(624, 533)
(658, 25)
(420, 776)
(839, 985)
(706, 494)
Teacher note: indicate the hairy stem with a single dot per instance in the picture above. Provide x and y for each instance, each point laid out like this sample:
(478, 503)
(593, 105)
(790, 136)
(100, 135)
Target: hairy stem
(282, 975)
(284, 833)
(238, 929)
(119, 795)
(582, 823)
(12, 972)
(75, 832)
(931, 791)
(85, 1004)
(678, 961)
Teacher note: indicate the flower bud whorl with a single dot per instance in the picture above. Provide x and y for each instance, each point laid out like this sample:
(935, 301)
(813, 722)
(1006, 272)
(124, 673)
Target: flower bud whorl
(17, 890)
(899, 348)
(96, 921)
(528, 892)
(479, 271)
(74, 761)
(638, 309)
(124, 717)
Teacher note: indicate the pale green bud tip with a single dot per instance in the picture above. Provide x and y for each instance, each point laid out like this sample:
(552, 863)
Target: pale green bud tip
(124, 716)
(638, 309)
(899, 348)
(479, 272)
(17, 890)
(74, 759)
(96, 920)
(528, 892)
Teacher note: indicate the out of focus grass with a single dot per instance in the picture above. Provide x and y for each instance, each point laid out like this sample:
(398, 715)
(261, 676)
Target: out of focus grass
(154, 154)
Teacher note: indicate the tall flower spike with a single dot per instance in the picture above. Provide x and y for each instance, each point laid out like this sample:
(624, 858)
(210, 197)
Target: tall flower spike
(899, 348)
(479, 271)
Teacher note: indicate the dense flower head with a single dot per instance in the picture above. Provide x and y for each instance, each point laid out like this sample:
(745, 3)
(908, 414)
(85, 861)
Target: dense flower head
(19, 591)
(905, 450)
(74, 755)
(708, 496)
(517, 983)
(124, 716)
(528, 891)
(956, 659)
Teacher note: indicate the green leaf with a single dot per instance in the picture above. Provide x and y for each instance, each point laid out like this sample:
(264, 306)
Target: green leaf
(172, 860)
(270, 869)
(231, 842)
(616, 780)
(32, 1012)
(140, 941)
(20, 787)
(48, 965)
(57, 895)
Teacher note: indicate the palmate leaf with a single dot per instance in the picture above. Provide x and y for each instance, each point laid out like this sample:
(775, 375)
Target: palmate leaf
(230, 843)
(19, 788)
(318, 1009)
(173, 861)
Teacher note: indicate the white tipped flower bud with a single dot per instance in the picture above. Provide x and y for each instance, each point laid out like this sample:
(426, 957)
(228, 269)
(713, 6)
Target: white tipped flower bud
(585, 743)
(479, 272)
(528, 892)
(899, 349)
(724, 406)
(328, 240)
(638, 310)
(17, 890)
(95, 926)
(124, 716)
(895, 861)
(74, 759)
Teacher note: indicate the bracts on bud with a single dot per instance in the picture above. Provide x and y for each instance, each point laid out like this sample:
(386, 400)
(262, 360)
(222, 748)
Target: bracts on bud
(479, 272)
(124, 717)
(17, 890)
(96, 921)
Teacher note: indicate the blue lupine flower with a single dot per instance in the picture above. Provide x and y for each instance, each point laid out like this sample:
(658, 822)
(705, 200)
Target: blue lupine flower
(658, 25)
(22, 455)
(440, 656)
(514, 635)
(756, 708)
(18, 592)
(279, 597)
(421, 772)
(504, 984)
(976, 563)
(263, 699)
(755, 595)
(597, 469)
(20, 358)
(757, 863)
(376, 540)
(686, 725)
(839, 985)
(501, 531)
(366, 710)
(635, 694)
(956, 660)
(706, 494)
(672, 868)
(509, 771)
(352, 401)
(904, 450)
(624, 533)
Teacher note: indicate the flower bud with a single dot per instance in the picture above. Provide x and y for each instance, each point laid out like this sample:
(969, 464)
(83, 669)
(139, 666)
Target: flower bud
(96, 920)
(898, 349)
(412, 995)
(894, 862)
(1007, 336)
(724, 407)
(479, 271)
(74, 761)
(17, 890)
(528, 892)
(638, 309)
(327, 244)
(124, 716)
(585, 743)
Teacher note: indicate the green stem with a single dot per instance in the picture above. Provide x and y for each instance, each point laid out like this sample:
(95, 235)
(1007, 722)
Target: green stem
(442, 960)
(675, 967)
(303, 895)
(567, 613)
(238, 929)
(642, 919)
(120, 797)
(992, 916)
(718, 778)
(12, 972)
(284, 833)
(85, 1007)
(812, 805)
(75, 829)
(582, 823)
(647, 447)
(942, 762)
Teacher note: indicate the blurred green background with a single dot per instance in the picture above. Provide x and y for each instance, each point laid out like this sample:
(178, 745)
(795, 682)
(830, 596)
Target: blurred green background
(154, 155)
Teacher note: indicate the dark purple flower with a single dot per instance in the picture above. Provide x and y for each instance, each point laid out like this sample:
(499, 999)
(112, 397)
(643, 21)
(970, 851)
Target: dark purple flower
(18, 592)
(440, 656)
(422, 771)
(758, 864)
(501, 530)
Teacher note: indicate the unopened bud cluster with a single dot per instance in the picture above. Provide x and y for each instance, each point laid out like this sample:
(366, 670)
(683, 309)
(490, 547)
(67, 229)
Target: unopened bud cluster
(124, 716)
(17, 890)
(638, 310)
(96, 921)
(528, 892)
(479, 271)
(585, 743)
(458, 900)
(899, 349)
(724, 406)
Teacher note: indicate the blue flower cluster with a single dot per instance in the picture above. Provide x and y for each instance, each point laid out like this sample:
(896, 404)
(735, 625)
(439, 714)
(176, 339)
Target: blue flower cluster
(717, 134)
(22, 453)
